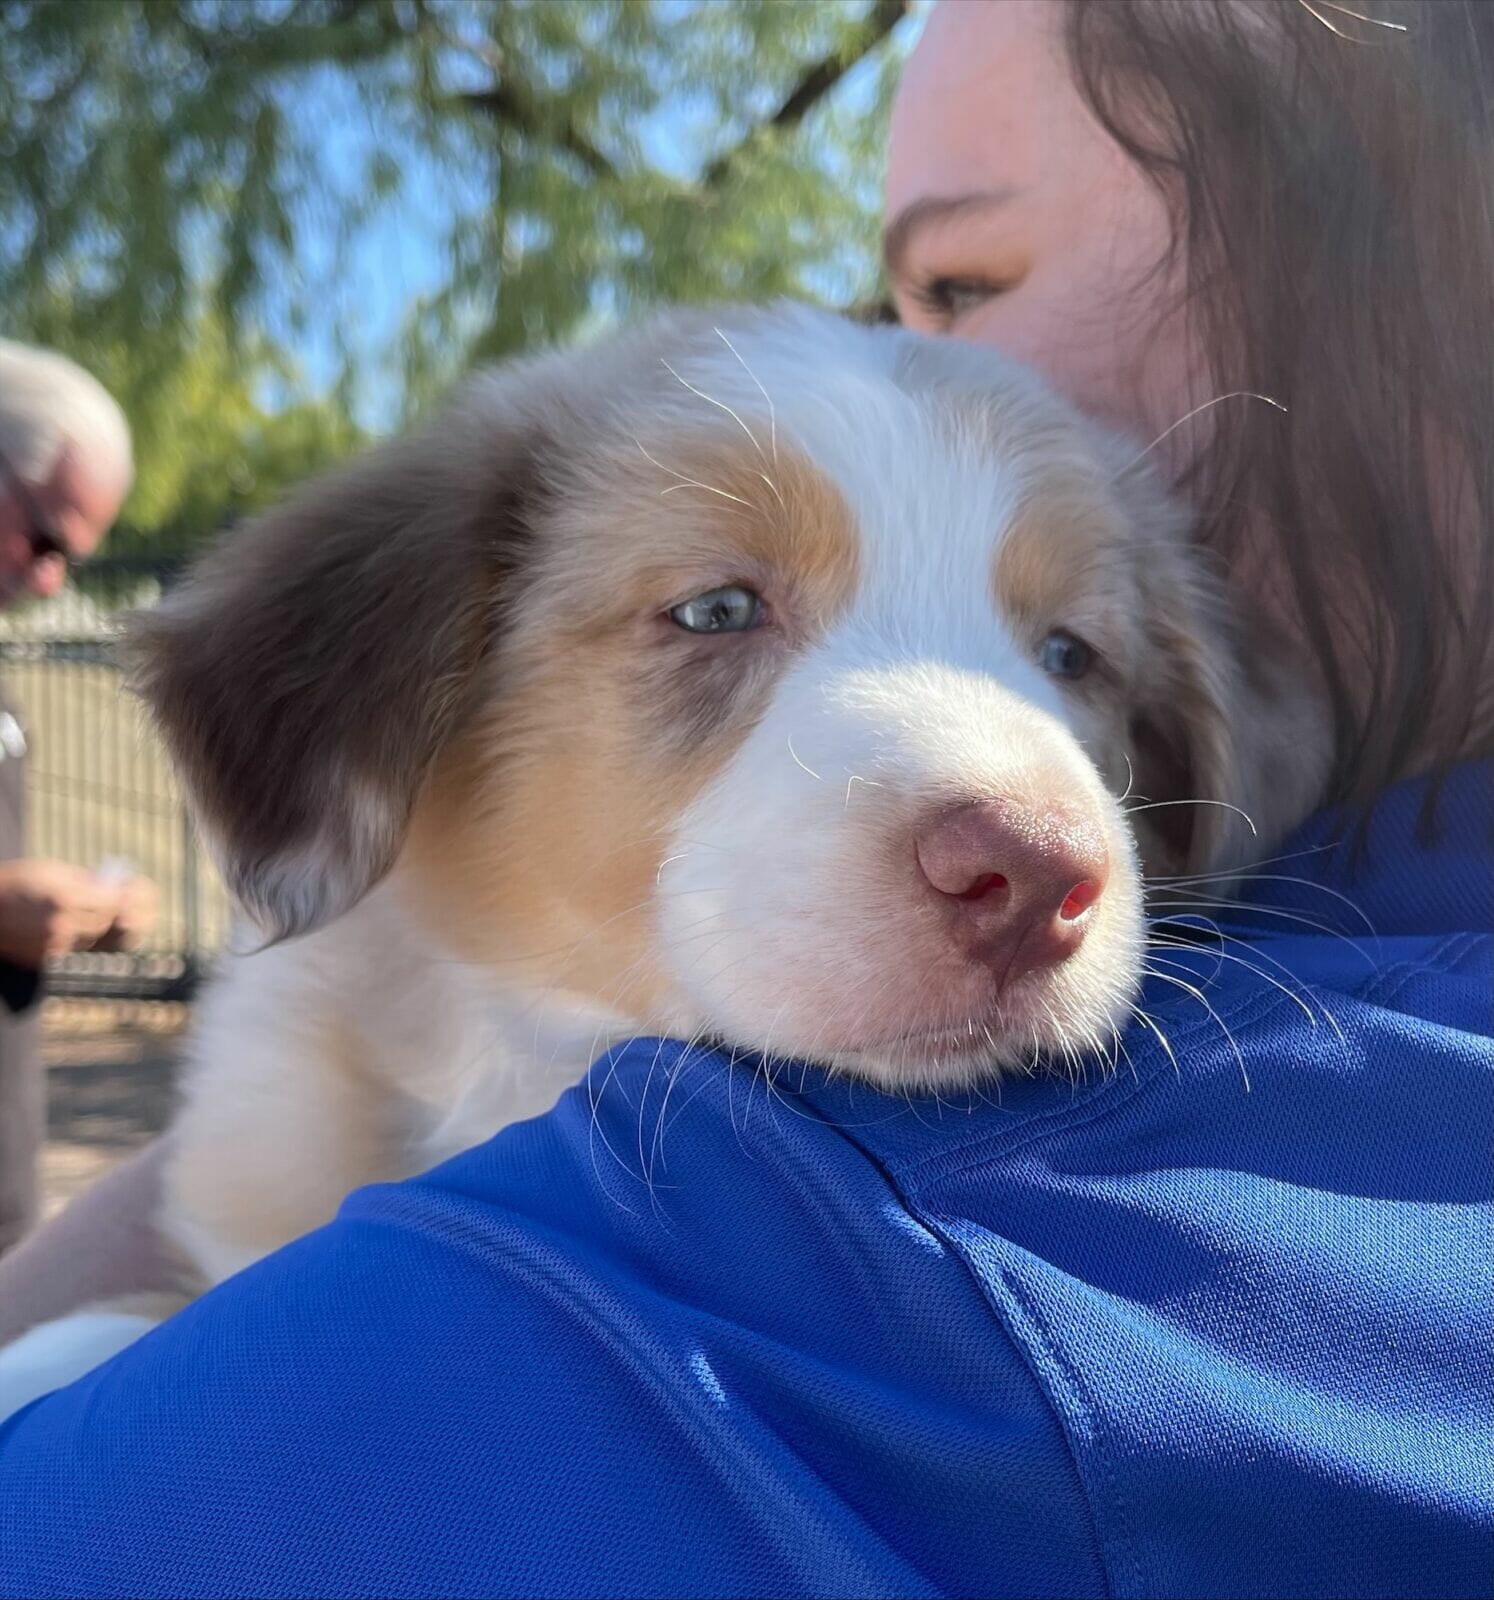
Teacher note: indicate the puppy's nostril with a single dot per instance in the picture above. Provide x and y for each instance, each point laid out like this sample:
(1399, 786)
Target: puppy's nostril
(1079, 899)
(987, 883)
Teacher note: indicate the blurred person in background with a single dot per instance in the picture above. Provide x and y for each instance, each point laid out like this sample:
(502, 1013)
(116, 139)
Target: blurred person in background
(65, 468)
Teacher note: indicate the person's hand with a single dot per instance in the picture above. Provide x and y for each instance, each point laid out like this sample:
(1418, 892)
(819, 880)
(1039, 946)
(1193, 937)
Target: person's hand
(135, 917)
(48, 908)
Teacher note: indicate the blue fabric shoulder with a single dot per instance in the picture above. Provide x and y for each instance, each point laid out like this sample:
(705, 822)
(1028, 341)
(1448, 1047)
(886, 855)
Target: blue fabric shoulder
(532, 1372)
(1214, 1323)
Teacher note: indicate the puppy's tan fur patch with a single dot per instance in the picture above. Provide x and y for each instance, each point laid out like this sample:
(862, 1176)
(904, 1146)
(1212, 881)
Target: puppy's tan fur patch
(540, 842)
(441, 690)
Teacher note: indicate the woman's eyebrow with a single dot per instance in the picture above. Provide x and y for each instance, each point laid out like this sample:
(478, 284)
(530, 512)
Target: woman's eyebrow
(935, 208)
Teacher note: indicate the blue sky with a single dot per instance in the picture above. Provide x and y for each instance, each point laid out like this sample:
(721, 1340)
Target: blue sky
(399, 255)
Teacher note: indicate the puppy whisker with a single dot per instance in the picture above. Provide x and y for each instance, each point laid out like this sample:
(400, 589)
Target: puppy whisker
(1188, 416)
(1158, 805)
(683, 482)
(772, 410)
(1198, 994)
(722, 405)
(798, 763)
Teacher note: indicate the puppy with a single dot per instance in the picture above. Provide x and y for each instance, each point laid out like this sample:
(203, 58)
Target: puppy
(822, 690)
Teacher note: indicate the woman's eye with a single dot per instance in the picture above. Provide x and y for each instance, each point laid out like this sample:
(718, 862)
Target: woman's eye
(730, 610)
(949, 299)
(1065, 655)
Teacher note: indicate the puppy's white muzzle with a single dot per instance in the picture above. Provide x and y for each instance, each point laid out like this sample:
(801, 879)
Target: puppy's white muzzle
(910, 869)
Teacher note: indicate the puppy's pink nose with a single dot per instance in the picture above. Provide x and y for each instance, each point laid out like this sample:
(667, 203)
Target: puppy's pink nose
(1017, 882)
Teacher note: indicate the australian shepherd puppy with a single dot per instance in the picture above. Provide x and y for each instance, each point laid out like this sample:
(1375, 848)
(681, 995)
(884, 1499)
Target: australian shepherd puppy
(823, 690)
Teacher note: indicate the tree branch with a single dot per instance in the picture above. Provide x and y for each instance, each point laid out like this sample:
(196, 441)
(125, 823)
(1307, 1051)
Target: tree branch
(817, 82)
(507, 103)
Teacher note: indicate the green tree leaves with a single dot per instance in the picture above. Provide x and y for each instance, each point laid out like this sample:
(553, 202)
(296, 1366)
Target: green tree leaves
(196, 194)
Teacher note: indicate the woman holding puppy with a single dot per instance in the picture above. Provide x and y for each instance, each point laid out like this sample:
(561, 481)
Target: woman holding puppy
(1156, 1335)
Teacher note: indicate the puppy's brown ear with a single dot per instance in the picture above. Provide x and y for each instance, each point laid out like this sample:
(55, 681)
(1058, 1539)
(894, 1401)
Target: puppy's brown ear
(1229, 743)
(1183, 759)
(1229, 733)
(307, 675)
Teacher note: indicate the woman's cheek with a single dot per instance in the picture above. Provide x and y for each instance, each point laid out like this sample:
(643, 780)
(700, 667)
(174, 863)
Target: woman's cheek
(1126, 365)
(1080, 356)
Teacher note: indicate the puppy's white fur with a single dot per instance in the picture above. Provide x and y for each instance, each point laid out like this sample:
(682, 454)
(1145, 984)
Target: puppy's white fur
(47, 1357)
(526, 817)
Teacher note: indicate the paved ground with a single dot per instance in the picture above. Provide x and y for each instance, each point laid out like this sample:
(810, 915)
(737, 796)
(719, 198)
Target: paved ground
(110, 1069)
(100, 787)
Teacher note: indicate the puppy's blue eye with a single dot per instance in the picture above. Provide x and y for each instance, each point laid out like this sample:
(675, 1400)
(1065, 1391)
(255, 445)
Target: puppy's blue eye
(1065, 655)
(731, 610)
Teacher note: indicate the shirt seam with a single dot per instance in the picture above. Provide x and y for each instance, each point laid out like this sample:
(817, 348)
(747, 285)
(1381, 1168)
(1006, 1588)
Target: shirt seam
(1062, 1385)
(933, 1170)
(1066, 1376)
(1079, 1420)
(1388, 986)
(1019, 1347)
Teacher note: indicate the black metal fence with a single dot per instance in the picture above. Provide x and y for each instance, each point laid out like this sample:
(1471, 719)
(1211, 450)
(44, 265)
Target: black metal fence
(101, 789)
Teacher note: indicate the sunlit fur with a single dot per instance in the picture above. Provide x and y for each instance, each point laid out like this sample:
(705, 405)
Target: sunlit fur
(560, 820)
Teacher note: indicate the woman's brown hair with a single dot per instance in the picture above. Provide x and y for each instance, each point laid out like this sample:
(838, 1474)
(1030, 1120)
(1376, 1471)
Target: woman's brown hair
(1330, 173)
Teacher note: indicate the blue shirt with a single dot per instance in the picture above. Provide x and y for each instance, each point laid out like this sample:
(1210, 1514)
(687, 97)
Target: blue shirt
(1166, 1332)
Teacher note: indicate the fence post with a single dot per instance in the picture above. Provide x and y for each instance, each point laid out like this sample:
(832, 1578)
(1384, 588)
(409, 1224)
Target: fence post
(89, 800)
(192, 929)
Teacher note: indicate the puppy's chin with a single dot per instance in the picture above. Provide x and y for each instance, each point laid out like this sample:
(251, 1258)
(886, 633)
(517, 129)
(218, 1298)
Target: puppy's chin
(975, 1051)
(1046, 1021)
(985, 1047)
